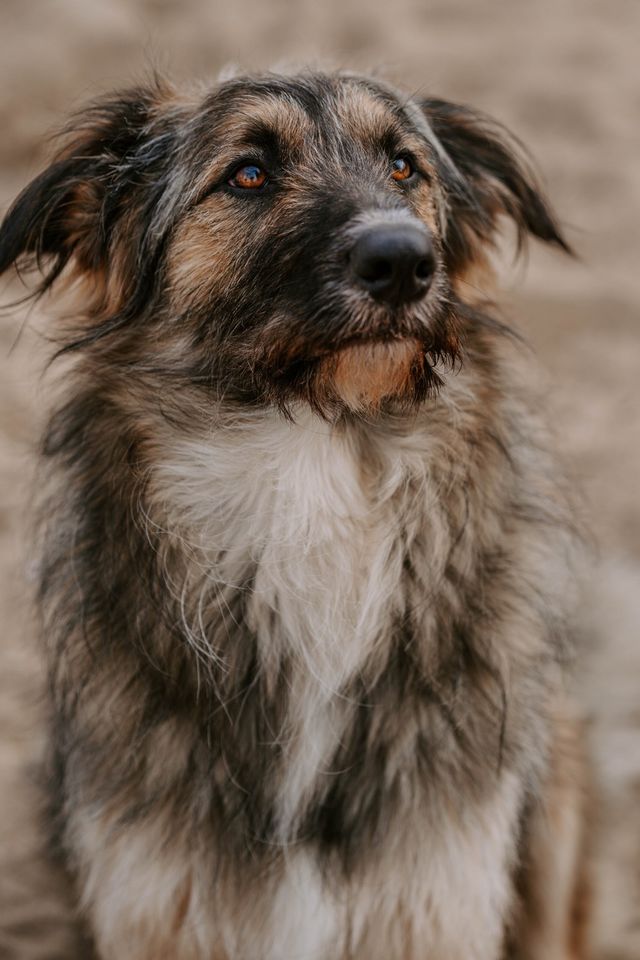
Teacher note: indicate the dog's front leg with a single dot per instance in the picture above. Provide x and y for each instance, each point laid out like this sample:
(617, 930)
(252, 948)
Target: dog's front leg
(554, 887)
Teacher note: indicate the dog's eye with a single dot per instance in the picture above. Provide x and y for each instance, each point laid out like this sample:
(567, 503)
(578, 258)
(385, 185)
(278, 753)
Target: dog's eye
(401, 169)
(248, 177)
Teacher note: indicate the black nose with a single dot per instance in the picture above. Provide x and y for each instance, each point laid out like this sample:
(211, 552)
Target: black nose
(395, 262)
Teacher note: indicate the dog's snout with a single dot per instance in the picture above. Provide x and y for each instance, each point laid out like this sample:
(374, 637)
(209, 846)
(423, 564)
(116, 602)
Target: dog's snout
(394, 263)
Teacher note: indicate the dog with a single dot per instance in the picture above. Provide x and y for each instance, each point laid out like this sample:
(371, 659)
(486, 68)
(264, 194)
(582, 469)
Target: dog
(307, 564)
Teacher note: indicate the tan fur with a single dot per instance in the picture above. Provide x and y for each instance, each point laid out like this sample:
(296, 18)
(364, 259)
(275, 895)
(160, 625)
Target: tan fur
(363, 375)
(363, 115)
(288, 118)
(477, 282)
(200, 249)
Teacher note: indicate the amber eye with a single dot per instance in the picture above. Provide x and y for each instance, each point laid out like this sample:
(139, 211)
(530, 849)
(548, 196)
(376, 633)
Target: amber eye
(401, 169)
(249, 177)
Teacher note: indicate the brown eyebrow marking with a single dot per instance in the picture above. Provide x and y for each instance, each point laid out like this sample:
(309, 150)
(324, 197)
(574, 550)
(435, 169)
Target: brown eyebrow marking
(263, 123)
(366, 117)
(280, 115)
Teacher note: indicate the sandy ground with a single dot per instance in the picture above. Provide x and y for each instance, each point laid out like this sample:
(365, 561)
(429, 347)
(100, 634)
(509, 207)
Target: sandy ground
(564, 74)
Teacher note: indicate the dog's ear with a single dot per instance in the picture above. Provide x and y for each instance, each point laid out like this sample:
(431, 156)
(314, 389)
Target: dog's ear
(485, 175)
(94, 194)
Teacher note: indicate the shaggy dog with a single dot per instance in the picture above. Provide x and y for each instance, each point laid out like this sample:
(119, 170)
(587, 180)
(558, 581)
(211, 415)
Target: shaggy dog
(305, 567)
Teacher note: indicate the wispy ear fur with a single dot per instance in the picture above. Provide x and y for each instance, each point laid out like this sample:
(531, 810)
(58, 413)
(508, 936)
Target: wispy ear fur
(486, 174)
(102, 188)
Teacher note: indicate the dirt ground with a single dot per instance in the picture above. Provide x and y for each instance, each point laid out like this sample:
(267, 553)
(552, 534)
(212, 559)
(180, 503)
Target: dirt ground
(565, 76)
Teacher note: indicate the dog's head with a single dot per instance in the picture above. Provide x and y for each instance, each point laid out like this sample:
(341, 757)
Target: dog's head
(278, 238)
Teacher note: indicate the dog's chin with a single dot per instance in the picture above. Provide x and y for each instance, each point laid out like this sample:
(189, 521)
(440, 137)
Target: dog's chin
(363, 377)
(373, 371)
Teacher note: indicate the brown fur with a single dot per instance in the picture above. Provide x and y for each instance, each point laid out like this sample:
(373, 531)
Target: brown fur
(364, 375)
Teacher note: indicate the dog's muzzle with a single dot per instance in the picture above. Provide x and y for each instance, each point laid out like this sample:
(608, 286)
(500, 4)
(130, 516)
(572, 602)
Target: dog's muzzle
(393, 262)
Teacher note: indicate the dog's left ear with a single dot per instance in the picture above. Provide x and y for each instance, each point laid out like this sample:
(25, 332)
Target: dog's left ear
(485, 175)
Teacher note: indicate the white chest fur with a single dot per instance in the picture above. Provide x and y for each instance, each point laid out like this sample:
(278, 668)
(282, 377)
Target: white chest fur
(318, 512)
(326, 518)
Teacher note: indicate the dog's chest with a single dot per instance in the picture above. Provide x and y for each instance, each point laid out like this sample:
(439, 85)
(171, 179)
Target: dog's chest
(327, 522)
(338, 533)
(324, 520)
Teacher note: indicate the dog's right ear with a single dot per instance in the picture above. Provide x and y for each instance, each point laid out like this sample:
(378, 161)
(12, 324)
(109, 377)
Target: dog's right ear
(92, 195)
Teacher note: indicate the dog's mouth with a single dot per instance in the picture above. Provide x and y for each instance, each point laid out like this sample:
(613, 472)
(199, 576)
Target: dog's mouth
(365, 363)
(365, 372)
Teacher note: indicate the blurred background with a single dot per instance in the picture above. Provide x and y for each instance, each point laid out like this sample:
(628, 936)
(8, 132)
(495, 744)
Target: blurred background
(564, 75)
